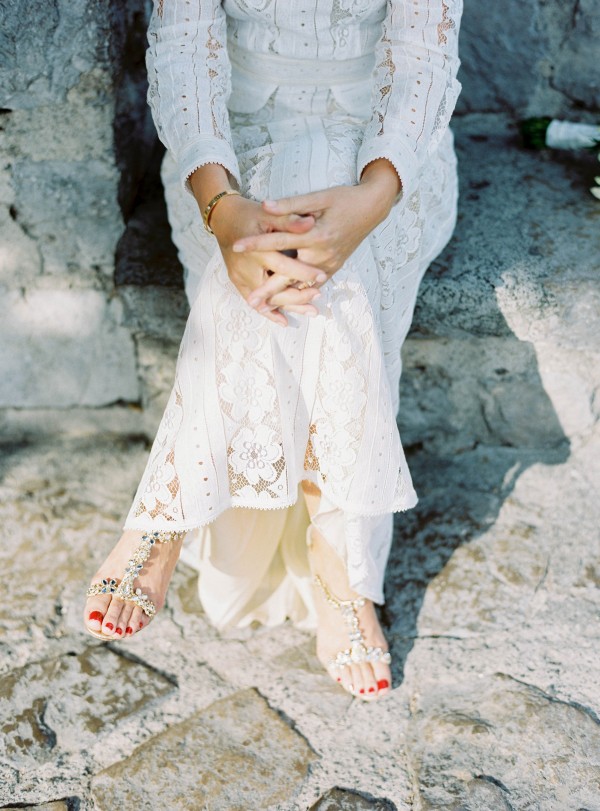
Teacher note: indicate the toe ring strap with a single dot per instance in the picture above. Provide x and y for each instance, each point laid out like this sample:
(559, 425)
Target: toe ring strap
(360, 653)
(124, 590)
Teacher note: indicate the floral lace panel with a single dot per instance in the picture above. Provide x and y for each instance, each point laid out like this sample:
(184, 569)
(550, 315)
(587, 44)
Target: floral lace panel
(248, 399)
(161, 495)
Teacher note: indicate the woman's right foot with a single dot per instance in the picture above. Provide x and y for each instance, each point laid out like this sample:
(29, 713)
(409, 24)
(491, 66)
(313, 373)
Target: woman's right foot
(109, 615)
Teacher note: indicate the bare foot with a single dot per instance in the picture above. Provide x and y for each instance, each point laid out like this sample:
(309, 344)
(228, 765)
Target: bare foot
(115, 618)
(366, 680)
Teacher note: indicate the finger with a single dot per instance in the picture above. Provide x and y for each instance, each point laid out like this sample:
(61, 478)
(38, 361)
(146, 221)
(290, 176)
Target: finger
(292, 268)
(274, 315)
(304, 309)
(277, 284)
(295, 223)
(291, 295)
(273, 241)
(301, 204)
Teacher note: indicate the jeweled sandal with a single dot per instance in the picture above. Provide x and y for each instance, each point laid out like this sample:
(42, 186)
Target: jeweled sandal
(358, 651)
(125, 590)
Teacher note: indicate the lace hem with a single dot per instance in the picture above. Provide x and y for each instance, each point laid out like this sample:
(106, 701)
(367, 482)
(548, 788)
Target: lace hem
(202, 151)
(401, 157)
(407, 502)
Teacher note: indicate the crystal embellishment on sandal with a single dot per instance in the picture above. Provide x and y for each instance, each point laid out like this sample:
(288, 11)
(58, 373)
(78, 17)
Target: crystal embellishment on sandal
(358, 651)
(125, 590)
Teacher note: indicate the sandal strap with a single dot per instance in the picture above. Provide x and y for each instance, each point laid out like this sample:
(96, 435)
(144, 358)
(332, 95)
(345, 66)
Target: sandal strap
(125, 590)
(358, 651)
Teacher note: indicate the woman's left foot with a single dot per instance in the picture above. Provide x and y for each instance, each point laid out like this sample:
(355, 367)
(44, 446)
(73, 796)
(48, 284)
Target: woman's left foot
(350, 641)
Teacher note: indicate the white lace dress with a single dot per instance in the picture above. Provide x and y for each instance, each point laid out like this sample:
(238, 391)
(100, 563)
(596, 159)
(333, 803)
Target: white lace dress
(293, 96)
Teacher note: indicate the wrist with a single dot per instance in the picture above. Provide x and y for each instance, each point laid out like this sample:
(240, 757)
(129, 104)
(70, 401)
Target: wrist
(225, 216)
(207, 181)
(381, 179)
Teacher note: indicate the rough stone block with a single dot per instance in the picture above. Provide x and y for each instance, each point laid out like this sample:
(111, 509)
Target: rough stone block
(470, 744)
(70, 209)
(58, 805)
(62, 704)
(541, 64)
(46, 46)
(505, 346)
(243, 754)
(339, 799)
(64, 348)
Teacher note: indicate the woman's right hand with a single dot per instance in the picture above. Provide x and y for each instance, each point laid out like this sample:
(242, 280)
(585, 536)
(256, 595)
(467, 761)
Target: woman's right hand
(236, 217)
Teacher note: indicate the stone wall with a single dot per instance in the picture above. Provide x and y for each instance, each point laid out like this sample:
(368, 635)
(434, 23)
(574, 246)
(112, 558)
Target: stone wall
(81, 351)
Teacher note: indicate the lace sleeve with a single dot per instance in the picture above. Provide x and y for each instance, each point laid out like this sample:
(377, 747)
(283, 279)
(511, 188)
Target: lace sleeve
(189, 80)
(415, 86)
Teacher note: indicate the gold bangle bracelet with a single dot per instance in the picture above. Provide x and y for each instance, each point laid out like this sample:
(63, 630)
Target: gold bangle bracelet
(209, 208)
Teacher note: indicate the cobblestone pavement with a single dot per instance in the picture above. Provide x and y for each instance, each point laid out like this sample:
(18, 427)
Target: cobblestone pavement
(492, 615)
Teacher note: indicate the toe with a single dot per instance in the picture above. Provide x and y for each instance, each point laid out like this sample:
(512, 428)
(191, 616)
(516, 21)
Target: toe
(335, 673)
(357, 680)
(135, 621)
(369, 680)
(111, 618)
(347, 683)
(139, 620)
(95, 609)
(125, 619)
(383, 677)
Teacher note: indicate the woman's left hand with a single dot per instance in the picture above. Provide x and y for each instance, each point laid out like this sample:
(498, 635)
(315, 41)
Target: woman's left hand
(344, 216)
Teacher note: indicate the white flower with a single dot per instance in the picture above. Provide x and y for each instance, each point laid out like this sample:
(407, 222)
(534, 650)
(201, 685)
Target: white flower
(248, 390)
(254, 454)
(334, 449)
(157, 487)
(238, 331)
(344, 390)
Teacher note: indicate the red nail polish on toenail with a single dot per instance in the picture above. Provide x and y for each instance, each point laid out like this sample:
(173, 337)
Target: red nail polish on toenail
(119, 631)
(128, 630)
(371, 689)
(141, 624)
(383, 683)
(362, 690)
(339, 679)
(110, 626)
(96, 615)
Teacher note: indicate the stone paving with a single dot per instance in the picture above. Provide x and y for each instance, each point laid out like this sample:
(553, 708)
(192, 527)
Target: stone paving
(492, 615)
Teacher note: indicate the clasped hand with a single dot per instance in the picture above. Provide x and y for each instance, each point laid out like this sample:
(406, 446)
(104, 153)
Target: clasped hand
(324, 227)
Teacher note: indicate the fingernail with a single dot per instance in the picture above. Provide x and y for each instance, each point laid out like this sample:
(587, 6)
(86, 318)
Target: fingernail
(253, 301)
(128, 630)
(119, 631)
(316, 296)
(371, 689)
(270, 203)
(96, 615)
(265, 310)
(322, 277)
(110, 626)
(383, 683)
(238, 249)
